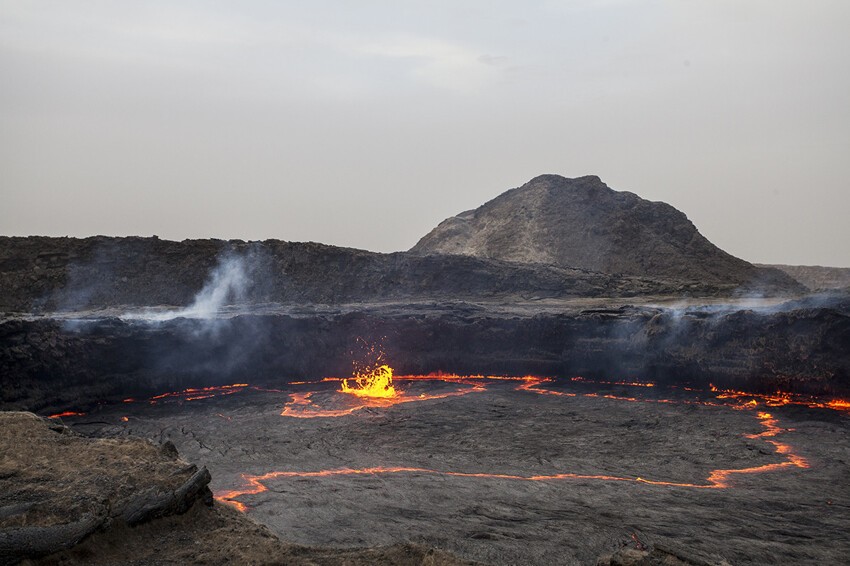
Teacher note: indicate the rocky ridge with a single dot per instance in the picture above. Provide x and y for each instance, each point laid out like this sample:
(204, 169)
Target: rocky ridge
(56, 274)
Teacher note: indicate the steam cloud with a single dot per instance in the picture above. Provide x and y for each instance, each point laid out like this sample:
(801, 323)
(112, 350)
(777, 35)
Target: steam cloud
(228, 284)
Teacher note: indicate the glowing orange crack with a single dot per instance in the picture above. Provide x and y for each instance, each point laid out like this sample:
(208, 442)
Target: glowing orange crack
(300, 405)
(373, 387)
(66, 414)
(717, 479)
(196, 393)
(629, 383)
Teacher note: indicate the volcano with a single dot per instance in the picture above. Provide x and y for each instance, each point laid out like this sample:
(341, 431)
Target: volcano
(565, 373)
(582, 223)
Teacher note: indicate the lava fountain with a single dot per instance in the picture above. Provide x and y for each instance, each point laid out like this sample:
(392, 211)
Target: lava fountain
(375, 382)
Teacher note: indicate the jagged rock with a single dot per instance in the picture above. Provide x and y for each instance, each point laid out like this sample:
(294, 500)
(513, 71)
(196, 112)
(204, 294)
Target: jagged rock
(169, 450)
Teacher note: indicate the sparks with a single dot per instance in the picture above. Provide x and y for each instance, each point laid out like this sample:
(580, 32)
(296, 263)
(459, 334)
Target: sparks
(376, 382)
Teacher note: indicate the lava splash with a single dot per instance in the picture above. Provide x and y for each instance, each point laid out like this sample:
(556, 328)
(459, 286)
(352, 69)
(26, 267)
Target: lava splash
(376, 382)
(376, 389)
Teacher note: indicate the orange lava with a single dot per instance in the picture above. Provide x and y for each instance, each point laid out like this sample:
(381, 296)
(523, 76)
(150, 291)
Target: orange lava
(839, 405)
(195, 394)
(66, 414)
(779, 399)
(382, 389)
(630, 383)
(374, 383)
(720, 478)
(301, 405)
(717, 479)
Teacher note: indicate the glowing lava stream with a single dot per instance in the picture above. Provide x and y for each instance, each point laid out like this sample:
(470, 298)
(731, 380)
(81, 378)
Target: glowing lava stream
(717, 479)
(194, 394)
(66, 414)
(375, 388)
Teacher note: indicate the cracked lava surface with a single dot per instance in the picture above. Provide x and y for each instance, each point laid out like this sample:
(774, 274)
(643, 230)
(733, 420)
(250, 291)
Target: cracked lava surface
(517, 469)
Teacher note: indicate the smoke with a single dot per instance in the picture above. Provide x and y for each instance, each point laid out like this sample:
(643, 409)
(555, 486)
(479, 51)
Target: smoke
(206, 338)
(228, 284)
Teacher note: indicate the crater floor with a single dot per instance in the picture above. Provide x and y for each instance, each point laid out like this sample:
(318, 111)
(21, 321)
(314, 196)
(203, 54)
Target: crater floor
(507, 473)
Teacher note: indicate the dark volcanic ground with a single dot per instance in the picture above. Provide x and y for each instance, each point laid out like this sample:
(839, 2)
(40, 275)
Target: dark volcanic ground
(787, 515)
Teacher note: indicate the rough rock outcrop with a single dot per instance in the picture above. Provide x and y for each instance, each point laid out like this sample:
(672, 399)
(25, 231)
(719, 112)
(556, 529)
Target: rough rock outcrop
(68, 499)
(57, 488)
(581, 223)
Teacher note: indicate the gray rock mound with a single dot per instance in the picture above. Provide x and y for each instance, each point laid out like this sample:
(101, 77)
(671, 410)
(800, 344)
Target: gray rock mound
(582, 223)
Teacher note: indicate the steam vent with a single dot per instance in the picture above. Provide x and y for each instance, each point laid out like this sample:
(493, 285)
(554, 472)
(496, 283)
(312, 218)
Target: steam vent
(567, 374)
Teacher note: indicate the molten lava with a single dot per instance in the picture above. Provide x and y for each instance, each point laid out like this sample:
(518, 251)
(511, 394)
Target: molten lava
(197, 393)
(717, 479)
(301, 405)
(376, 383)
(629, 383)
(66, 414)
(376, 388)
(779, 399)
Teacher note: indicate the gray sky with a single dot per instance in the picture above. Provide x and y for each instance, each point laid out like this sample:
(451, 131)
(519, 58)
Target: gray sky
(365, 126)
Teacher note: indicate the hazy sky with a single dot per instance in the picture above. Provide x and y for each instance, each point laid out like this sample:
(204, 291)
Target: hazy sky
(366, 123)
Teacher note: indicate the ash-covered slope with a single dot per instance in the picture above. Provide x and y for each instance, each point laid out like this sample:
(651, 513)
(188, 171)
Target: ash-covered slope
(581, 223)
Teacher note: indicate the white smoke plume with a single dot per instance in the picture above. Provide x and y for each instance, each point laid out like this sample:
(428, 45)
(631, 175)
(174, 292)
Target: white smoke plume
(228, 284)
